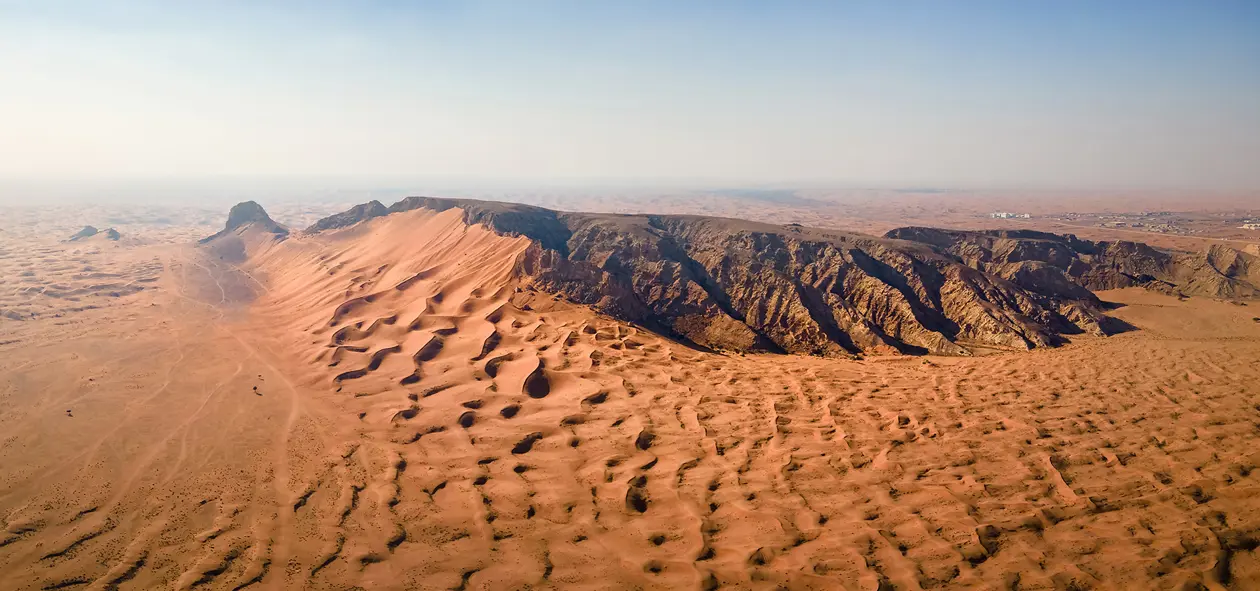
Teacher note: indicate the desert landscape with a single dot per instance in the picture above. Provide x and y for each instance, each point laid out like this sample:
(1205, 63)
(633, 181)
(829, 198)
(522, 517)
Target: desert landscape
(504, 295)
(457, 394)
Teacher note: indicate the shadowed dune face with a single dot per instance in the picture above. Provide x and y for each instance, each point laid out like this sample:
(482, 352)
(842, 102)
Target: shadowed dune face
(417, 282)
(390, 405)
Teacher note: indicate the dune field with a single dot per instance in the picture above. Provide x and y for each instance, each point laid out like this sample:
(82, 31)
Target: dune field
(390, 405)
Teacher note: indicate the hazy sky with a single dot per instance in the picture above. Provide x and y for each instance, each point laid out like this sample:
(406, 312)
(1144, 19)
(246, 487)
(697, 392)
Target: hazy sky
(958, 93)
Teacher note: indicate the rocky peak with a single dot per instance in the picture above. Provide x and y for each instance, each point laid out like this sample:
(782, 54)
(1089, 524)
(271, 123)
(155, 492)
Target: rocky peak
(249, 214)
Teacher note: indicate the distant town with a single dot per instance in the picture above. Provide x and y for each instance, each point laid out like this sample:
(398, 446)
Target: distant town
(1159, 222)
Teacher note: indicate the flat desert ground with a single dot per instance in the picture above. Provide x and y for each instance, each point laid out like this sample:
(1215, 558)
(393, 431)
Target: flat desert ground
(173, 419)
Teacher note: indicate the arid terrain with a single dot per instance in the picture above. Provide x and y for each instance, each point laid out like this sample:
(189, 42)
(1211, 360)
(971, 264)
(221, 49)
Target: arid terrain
(1209, 217)
(444, 395)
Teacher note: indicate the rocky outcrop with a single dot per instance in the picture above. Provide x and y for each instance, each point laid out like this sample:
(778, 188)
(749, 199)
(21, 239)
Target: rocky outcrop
(86, 232)
(354, 215)
(248, 229)
(248, 214)
(91, 231)
(1044, 263)
(542, 225)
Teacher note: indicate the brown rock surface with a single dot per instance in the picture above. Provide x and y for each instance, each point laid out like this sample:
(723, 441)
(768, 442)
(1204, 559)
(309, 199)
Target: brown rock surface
(354, 215)
(1045, 262)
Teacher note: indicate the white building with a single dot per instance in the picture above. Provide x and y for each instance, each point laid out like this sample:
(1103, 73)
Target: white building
(1006, 215)
(1251, 226)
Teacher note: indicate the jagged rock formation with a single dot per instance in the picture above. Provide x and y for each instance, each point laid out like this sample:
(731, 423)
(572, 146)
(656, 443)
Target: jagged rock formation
(743, 286)
(354, 215)
(86, 232)
(248, 214)
(737, 285)
(1036, 260)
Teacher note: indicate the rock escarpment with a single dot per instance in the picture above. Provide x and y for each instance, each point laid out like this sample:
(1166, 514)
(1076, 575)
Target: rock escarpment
(736, 285)
(354, 215)
(1039, 260)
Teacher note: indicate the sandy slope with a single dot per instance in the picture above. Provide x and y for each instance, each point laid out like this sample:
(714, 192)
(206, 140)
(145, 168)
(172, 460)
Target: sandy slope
(380, 407)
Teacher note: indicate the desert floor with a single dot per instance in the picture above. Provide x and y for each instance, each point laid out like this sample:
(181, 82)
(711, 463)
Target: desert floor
(319, 419)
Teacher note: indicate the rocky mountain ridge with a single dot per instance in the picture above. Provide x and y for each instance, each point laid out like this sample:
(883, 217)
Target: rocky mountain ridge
(743, 286)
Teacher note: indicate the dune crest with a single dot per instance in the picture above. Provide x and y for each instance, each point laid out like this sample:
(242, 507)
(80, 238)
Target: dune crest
(358, 295)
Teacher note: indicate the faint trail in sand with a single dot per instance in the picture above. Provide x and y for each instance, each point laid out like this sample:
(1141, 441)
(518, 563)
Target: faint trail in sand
(142, 466)
(88, 455)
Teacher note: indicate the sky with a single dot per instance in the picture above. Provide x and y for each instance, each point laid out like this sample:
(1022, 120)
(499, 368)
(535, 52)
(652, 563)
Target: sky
(967, 94)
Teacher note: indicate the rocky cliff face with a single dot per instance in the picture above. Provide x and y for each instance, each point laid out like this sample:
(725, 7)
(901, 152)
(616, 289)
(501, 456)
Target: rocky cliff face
(1042, 261)
(736, 285)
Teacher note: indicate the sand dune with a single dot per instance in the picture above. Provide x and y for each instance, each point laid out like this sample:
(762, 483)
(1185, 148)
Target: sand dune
(385, 406)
